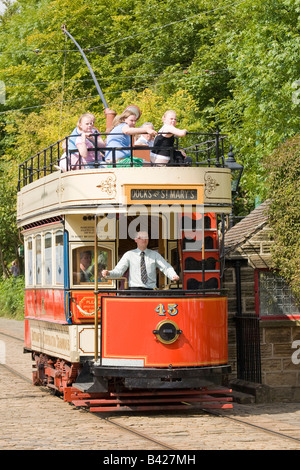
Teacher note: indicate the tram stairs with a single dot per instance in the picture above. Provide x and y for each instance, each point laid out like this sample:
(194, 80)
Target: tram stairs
(200, 252)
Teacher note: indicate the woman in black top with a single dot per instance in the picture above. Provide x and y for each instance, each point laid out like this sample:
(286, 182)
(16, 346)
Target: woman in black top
(164, 152)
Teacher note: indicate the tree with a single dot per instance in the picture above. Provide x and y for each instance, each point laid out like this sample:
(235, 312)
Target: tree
(283, 167)
(235, 64)
(9, 240)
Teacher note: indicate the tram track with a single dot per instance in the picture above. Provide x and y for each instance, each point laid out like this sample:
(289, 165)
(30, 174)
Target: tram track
(149, 438)
(255, 426)
(137, 433)
(118, 424)
(11, 336)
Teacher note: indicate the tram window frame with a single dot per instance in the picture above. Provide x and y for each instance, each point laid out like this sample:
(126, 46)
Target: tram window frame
(29, 270)
(48, 259)
(76, 249)
(58, 258)
(173, 252)
(38, 260)
(39, 280)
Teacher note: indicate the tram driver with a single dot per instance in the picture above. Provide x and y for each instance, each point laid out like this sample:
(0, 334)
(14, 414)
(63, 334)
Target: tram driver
(142, 263)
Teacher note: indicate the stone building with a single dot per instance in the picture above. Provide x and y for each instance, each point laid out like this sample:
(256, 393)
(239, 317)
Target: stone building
(264, 320)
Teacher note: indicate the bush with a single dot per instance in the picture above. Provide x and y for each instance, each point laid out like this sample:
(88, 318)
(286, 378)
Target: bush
(12, 297)
(284, 213)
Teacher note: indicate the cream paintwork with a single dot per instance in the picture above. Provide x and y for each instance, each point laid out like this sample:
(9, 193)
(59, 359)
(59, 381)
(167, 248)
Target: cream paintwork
(69, 342)
(84, 191)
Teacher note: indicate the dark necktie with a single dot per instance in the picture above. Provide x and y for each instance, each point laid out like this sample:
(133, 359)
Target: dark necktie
(144, 276)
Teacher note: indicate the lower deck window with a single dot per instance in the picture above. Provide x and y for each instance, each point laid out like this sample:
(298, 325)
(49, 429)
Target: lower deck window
(84, 264)
(44, 258)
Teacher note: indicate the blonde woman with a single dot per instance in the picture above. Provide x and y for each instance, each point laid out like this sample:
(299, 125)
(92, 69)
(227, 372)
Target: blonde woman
(85, 143)
(82, 138)
(163, 153)
(123, 127)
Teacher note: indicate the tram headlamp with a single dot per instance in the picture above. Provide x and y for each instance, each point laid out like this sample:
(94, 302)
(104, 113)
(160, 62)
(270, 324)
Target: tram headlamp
(167, 332)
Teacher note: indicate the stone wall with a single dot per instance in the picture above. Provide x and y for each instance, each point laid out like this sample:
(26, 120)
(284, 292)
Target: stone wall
(279, 370)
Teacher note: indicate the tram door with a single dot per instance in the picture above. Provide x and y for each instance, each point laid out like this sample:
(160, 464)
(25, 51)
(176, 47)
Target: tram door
(156, 227)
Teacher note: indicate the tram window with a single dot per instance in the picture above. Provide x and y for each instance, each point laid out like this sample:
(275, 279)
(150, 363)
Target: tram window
(29, 270)
(38, 259)
(48, 258)
(59, 258)
(84, 264)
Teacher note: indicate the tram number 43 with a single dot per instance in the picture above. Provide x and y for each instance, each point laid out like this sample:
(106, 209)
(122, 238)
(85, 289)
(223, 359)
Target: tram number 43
(171, 309)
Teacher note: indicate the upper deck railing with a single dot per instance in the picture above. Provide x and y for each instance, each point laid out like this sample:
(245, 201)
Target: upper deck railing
(203, 149)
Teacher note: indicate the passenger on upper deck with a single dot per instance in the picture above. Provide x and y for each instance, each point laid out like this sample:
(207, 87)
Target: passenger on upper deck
(145, 139)
(163, 154)
(83, 138)
(85, 141)
(123, 127)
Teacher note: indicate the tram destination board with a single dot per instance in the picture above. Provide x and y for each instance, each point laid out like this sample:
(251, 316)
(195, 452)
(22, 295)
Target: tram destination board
(172, 193)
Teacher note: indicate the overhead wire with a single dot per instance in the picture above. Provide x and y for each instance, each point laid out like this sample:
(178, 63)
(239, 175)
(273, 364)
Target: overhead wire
(167, 25)
(89, 49)
(123, 77)
(113, 42)
(96, 96)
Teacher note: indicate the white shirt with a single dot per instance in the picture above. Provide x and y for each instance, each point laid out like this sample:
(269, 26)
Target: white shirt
(132, 260)
(142, 141)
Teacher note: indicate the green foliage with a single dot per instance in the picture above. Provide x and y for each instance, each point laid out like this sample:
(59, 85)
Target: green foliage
(8, 229)
(12, 297)
(227, 65)
(284, 191)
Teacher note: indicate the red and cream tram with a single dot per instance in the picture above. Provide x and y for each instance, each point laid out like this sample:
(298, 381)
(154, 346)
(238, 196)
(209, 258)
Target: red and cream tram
(92, 339)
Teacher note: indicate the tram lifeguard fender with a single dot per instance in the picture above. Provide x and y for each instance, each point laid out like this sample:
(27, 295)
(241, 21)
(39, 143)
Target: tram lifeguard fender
(129, 325)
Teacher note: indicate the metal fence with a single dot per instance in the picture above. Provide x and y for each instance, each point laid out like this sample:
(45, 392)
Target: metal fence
(248, 348)
(203, 150)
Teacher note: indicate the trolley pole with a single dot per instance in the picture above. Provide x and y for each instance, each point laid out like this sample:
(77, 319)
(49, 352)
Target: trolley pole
(96, 291)
(109, 113)
(88, 66)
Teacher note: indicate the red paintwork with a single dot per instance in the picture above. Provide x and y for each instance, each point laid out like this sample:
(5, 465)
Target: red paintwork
(49, 305)
(83, 301)
(198, 235)
(83, 306)
(27, 336)
(45, 304)
(128, 324)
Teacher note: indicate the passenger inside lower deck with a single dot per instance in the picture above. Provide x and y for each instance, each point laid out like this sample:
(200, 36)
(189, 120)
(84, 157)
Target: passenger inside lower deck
(83, 264)
(123, 127)
(142, 263)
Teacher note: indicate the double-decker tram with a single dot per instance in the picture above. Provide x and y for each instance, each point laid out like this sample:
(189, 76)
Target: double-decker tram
(95, 340)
